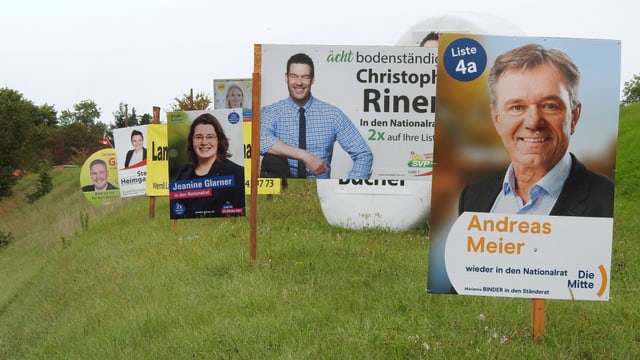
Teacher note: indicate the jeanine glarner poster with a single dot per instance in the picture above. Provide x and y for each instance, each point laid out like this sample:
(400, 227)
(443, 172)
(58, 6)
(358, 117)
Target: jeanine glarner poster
(380, 90)
(206, 176)
(523, 186)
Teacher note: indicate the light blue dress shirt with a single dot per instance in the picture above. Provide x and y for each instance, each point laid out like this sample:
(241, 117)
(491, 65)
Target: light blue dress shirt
(542, 196)
(326, 124)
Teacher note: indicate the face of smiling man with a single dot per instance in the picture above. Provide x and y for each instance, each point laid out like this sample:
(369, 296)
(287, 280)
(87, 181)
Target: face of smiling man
(99, 175)
(534, 117)
(299, 82)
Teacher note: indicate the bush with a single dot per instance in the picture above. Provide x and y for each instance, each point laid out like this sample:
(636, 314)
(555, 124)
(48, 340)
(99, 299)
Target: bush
(7, 180)
(45, 184)
(5, 238)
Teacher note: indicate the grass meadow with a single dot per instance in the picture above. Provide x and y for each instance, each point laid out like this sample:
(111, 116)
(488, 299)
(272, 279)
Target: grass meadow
(109, 282)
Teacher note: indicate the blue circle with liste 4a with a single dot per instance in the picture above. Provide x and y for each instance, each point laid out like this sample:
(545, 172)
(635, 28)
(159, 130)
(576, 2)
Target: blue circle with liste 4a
(465, 59)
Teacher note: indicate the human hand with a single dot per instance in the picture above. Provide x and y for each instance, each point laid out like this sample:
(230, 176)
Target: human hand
(315, 164)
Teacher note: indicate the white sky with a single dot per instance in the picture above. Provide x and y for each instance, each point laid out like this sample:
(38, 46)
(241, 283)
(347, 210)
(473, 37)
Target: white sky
(147, 52)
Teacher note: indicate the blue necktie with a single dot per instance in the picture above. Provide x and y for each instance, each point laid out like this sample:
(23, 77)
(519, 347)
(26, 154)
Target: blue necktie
(302, 143)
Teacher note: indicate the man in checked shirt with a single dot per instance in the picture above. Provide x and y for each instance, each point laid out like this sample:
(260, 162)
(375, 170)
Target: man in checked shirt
(325, 124)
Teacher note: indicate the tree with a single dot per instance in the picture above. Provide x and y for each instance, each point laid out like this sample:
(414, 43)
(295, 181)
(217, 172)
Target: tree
(45, 185)
(44, 120)
(631, 91)
(201, 101)
(23, 129)
(46, 115)
(74, 143)
(85, 112)
(146, 119)
(122, 118)
(78, 136)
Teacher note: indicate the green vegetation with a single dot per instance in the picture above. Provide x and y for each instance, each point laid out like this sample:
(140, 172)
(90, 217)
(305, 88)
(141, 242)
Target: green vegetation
(84, 282)
(45, 184)
(631, 91)
(5, 238)
(31, 135)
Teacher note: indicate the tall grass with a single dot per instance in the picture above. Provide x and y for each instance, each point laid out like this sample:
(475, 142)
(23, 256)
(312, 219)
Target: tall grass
(121, 285)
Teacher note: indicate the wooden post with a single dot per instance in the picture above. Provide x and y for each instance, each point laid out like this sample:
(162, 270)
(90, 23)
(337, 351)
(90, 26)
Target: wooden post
(152, 199)
(255, 150)
(538, 318)
(126, 115)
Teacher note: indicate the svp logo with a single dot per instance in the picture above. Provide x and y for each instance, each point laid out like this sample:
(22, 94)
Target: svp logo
(420, 164)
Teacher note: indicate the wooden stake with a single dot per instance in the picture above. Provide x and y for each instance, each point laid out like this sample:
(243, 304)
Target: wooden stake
(538, 318)
(255, 151)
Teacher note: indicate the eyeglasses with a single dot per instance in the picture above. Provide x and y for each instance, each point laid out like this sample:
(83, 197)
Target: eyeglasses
(296, 77)
(201, 137)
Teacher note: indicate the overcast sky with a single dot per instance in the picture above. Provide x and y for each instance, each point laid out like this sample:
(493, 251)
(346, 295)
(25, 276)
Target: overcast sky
(146, 52)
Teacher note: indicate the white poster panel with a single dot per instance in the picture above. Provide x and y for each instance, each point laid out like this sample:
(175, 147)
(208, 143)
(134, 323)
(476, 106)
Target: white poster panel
(382, 91)
(526, 136)
(547, 257)
(131, 155)
(233, 93)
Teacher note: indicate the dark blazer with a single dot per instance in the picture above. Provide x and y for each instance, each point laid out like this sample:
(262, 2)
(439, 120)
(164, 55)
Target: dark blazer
(584, 193)
(130, 154)
(221, 198)
(92, 187)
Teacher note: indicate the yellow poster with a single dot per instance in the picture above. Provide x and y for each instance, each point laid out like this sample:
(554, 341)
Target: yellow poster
(99, 177)
(265, 185)
(157, 161)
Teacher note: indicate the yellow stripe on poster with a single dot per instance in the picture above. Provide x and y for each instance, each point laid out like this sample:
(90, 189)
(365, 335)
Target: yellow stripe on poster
(157, 160)
(266, 186)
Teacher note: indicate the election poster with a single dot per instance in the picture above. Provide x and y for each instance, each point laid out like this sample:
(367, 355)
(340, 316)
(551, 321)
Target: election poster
(523, 186)
(367, 111)
(232, 94)
(237, 93)
(131, 156)
(206, 172)
(157, 160)
(99, 177)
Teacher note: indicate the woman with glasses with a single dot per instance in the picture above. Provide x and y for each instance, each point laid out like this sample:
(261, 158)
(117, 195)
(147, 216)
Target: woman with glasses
(210, 184)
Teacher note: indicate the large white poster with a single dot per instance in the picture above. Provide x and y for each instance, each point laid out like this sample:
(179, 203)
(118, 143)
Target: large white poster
(523, 186)
(368, 113)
